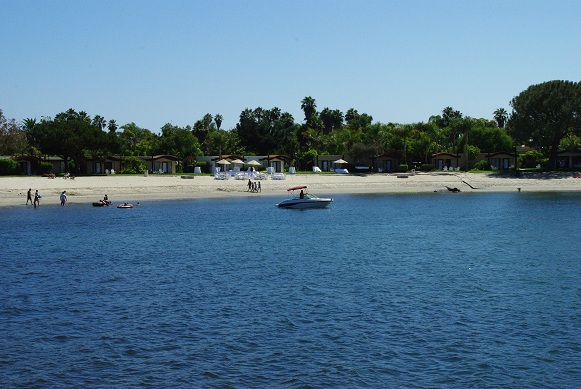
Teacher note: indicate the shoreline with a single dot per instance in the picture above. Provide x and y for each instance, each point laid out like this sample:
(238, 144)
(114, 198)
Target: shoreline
(87, 189)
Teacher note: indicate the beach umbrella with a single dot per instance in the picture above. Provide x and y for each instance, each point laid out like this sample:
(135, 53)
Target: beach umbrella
(253, 163)
(223, 162)
(237, 161)
(340, 161)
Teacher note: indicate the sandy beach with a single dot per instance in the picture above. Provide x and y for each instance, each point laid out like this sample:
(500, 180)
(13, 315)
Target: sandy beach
(159, 187)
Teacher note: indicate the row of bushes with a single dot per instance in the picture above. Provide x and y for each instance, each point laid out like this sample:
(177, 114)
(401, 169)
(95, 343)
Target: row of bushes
(9, 167)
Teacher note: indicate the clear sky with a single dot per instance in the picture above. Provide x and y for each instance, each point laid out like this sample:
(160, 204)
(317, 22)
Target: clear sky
(156, 62)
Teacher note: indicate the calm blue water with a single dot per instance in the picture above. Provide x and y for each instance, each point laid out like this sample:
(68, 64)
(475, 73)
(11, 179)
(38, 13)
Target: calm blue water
(437, 290)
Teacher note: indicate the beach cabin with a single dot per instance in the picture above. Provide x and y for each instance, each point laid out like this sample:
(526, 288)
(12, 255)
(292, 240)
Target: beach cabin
(277, 162)
(166, 164)
(99, 165)
(569, 159)
(386, 162)
(326, 162)
(162, 164)
(501, 160)
(445, 161)
(28, 164)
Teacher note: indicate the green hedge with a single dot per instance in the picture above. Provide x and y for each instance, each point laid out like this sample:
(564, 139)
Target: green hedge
(44, 168)
(133, 165)
(9, 167)
(482, 165)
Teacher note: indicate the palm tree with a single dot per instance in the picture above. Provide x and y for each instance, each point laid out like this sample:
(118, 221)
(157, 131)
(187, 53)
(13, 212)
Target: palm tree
(501, 116)
(29, 123)
(83, 116)
(309, 106)
(112, 125)
(99, 121)
(337, 119)
(448, 114)
(332, 119)
(218, 121)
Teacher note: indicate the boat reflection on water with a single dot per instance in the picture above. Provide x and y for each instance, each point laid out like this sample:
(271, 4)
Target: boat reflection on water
(301, 199)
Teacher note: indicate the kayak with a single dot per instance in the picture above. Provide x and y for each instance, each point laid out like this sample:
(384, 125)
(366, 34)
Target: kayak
(101, 203)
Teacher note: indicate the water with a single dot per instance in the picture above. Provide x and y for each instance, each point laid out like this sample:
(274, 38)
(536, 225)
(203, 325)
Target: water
(437, 290)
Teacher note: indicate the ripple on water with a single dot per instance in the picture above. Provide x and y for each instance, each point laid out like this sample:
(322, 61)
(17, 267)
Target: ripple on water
(374, 291)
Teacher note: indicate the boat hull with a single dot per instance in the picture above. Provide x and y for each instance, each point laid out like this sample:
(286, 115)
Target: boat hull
(305, 203)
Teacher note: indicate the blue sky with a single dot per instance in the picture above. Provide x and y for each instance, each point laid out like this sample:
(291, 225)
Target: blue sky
(156, 62)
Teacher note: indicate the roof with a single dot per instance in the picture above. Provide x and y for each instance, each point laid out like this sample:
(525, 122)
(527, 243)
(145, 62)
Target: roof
(446, 154)
(573, 151)
(502, 153)
(170, 157)
(275, 156)
(386, 155)
(228, 156)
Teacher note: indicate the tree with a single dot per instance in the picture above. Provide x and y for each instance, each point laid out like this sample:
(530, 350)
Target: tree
(332, 119)
(307, 159)
(471, 153)
(309, 107)
(571, 142)
(136, 141)
(372, 136)
(457, 131)
(445, 119)
(203, 127)
(339, 141)
(12, 137)
(448, 114)
(501, 116)
(178, 141)
(361, 153)
(489, 137)
(70, 135)
(216, 142)
(112, 126)
(223, 142)
(218, 120)
(544, 114)
(99, 121)
(266, 131)
(248, 130)
(29, 123)
(133, 165)
(357, 121)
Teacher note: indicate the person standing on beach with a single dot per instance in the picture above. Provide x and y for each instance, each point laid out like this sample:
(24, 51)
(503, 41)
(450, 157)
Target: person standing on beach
(249, 185)
(63, 198)
(36, 201)
(29, 197)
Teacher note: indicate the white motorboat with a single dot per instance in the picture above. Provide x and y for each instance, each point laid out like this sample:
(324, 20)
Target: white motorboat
(301, 199)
